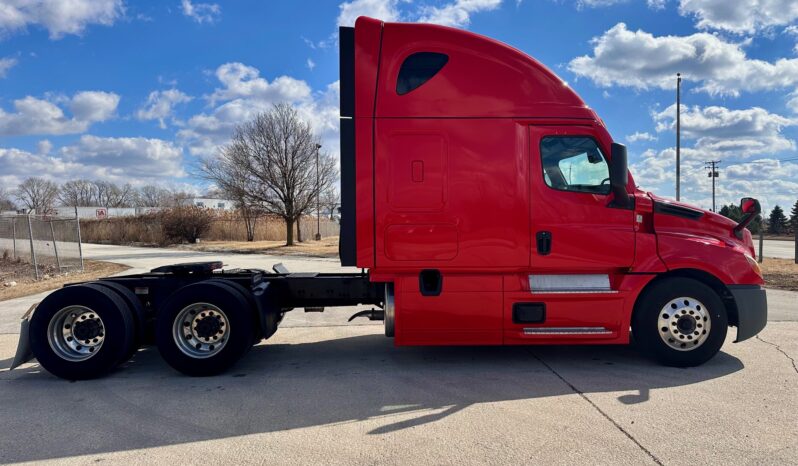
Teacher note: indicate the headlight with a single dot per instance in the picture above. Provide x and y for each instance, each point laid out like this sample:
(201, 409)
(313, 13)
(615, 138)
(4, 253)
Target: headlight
(754, 265)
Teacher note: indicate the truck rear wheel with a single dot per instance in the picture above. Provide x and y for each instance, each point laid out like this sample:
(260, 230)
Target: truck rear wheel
(136, 310)
(204, 328)
(680, 322)
(81, 331)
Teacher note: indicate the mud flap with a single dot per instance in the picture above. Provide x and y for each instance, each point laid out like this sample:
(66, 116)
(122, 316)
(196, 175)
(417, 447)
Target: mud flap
(24, 353)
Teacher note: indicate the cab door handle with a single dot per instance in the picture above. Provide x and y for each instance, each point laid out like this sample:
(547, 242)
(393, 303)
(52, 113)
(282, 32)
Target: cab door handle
(544, 242)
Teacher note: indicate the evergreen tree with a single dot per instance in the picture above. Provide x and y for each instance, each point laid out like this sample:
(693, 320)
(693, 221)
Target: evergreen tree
(731, 211)
(794, 217)
(777, 223)
(734, 212)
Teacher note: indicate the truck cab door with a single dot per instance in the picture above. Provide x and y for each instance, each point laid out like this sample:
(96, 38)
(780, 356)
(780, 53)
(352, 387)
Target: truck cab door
(575, 228)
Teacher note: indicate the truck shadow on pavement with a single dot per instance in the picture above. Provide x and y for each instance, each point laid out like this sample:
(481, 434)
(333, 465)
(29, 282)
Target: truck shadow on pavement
(279, 386)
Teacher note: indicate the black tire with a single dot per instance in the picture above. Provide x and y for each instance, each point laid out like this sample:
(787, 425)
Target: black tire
(241, 326)
(653, 321)
(118, 331)
(135, 308)
(257, 335)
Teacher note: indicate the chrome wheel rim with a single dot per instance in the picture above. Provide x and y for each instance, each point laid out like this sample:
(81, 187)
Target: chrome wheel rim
(76, 333)
(201, 330)
(684, 323)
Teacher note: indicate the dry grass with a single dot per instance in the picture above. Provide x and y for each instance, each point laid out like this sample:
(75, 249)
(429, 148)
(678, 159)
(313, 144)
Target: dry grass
(148, 230)
(20, 272)
(327, 247)
(780, 273)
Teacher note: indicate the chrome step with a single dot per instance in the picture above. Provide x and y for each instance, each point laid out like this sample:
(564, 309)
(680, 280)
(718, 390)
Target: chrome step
(567, 331)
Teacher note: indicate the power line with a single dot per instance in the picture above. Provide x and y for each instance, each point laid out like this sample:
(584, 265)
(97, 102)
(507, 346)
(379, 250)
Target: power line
(790, 159)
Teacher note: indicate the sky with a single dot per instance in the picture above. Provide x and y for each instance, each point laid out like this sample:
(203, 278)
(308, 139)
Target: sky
(139, 91)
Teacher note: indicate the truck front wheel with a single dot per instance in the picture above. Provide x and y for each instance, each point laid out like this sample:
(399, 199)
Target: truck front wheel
(680, 322)
(204, 328)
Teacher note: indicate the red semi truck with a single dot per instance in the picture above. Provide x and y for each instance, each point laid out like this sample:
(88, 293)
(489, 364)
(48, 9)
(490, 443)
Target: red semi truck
(485, 203)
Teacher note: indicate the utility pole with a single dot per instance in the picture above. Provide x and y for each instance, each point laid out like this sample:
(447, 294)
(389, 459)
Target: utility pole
(318, 194)
(678, 134)
(713, 173)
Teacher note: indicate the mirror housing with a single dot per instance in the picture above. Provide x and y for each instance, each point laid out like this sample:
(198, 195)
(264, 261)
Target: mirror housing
(749, 205)
(750, 208)
(619, 177)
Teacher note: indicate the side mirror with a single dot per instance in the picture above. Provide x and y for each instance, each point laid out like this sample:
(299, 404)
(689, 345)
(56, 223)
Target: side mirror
(749, 205)
(619, 177)
(751, 209)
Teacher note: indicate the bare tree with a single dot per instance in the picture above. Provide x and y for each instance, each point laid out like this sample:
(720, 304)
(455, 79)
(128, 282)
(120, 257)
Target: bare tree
(153, 196)
(271, 163)
(37, 194)
(178, 198)
(330, 200)
(108, 194)
(5, 200)
(77, 193)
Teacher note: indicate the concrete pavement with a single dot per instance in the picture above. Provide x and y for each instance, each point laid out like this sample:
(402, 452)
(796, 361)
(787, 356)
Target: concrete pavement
(322, 391)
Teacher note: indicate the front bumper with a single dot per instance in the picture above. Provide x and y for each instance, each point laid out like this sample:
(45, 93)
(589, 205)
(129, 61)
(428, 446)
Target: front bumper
(752, 310)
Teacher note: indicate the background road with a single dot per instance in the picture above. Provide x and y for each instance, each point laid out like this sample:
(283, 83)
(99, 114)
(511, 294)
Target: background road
(329, 392)
(776, 248)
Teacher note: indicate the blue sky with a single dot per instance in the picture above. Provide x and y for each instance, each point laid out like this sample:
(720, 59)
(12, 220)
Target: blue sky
(138, 91)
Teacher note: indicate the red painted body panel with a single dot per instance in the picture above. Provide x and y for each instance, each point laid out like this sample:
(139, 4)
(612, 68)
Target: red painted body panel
(707, 244)
(483, 78)
(587, 235)
(364, 192)
(468, 311)
(475, 185)
(449, 178)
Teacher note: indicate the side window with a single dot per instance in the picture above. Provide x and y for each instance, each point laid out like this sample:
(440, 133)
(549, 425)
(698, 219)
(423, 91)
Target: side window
(574, 163)
(417, 69)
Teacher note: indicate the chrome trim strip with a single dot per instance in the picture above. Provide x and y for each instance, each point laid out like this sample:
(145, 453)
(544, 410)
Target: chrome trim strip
(567, 331)
(576, 292)
(570, 283)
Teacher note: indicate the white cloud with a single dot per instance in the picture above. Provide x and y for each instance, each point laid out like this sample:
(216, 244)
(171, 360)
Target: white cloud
(244, 94)
(311, 64)
(6, 64)
(641, 60)
(656, 4)
(639, 136)
(458, 13)
(201, 12)
(59, 17)
(597, 3)
(740, 16)
(44, 147)
(722, 131)
(385, 10)
(37, 116)
(160, 105)
(792, 104)
(92, 106)
(242, 81)
(136, 160)
(770, 181)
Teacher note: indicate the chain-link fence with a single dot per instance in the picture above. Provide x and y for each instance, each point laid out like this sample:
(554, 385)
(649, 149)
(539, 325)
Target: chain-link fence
(51, 245)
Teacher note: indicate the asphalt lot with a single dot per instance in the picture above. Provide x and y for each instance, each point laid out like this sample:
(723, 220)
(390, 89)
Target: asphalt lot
(323, 391)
